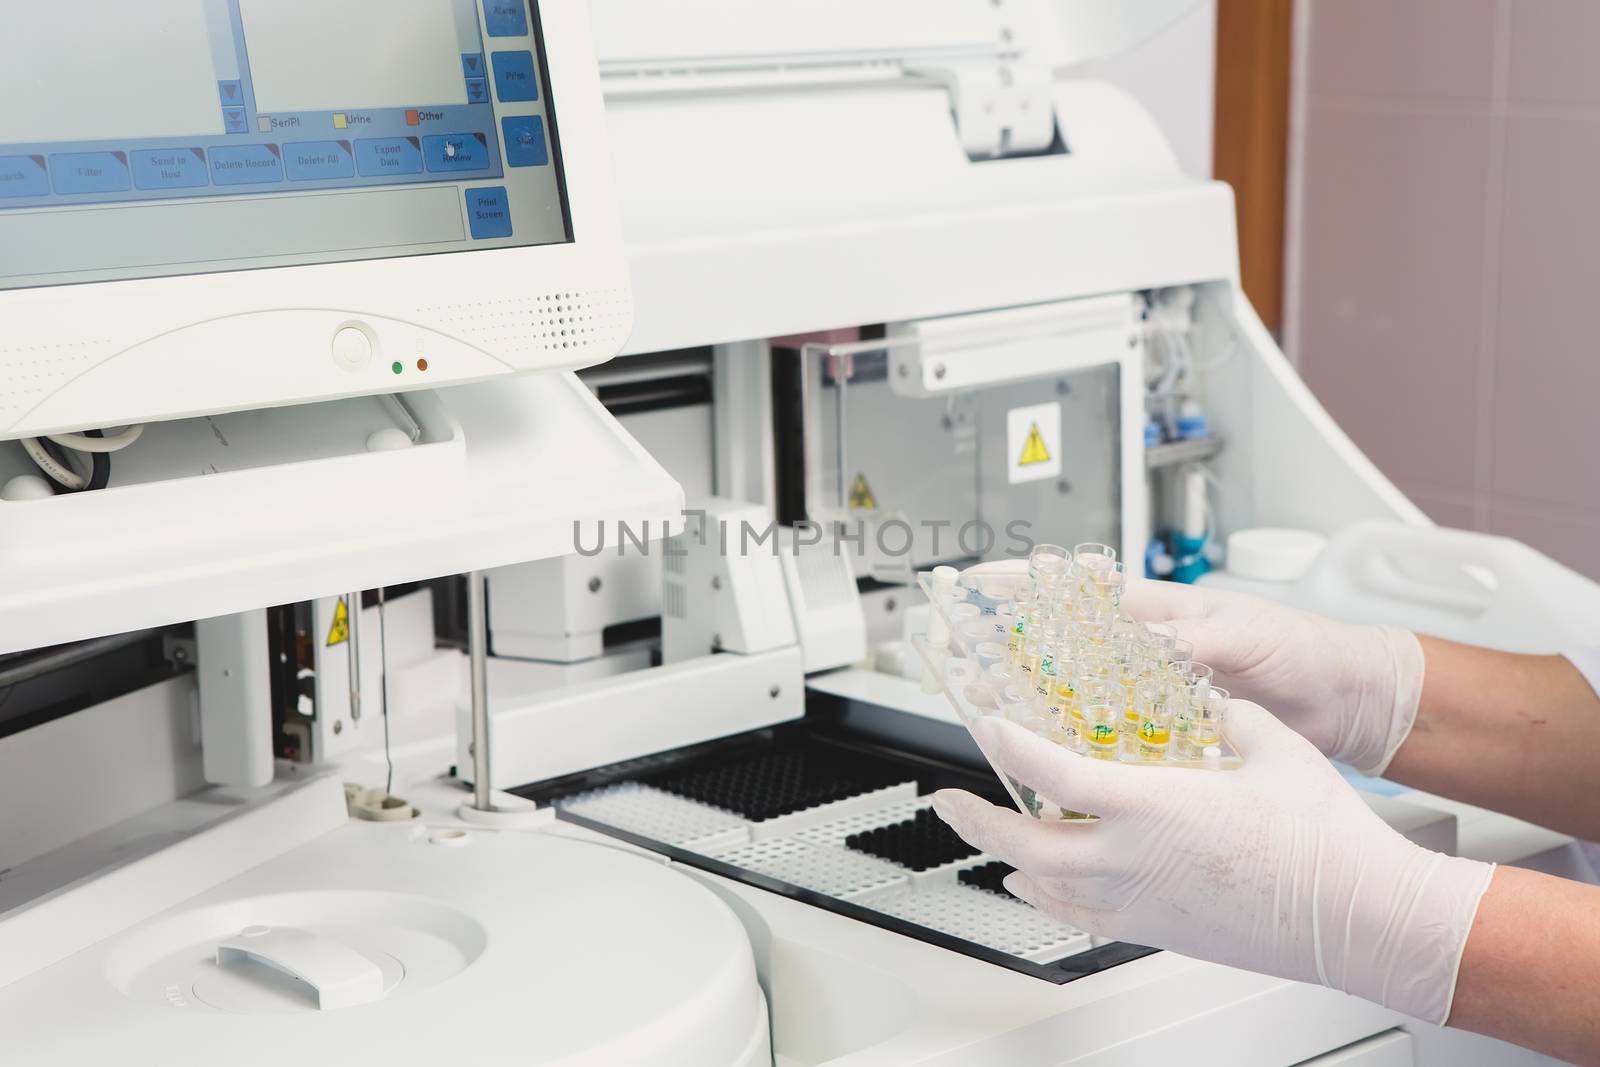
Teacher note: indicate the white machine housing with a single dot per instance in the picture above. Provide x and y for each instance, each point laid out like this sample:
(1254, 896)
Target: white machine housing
(834, 181)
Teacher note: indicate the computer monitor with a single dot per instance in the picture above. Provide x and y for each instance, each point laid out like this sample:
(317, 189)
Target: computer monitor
(222, 205)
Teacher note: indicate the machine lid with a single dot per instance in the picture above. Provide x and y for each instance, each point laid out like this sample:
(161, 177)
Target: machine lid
(404, 944)
(639, 36)
(1095, 29)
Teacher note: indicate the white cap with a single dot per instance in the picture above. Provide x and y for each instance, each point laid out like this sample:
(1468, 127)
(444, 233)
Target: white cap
(26, 487)
(1269, 554)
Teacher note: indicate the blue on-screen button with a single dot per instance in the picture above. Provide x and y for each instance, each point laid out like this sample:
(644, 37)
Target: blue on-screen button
(23, 176)
(90, 172)
(506, 18)
(477, 91)
(389, 155)
(445, 153)
(170, 168)
(525, 145)
(318, 161)
(472, 64)
(246, 164)
(513, 76)
(489, 213)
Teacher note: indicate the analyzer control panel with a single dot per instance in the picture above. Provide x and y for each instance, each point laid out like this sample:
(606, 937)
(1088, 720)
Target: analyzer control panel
(187, 136)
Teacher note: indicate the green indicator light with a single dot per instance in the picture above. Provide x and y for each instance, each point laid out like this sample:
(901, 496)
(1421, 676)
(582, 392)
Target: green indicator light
(397, 368)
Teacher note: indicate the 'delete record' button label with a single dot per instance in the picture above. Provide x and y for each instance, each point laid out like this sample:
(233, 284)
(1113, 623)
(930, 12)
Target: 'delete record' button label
(246, 164)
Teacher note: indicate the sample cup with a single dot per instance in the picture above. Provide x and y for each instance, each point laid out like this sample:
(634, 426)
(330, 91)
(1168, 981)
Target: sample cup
(1100, 730)
(1047, 563)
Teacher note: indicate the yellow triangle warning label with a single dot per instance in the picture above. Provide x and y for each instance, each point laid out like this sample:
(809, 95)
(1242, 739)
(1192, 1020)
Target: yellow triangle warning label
(339, 632)
(1034, 450)
(861, 498)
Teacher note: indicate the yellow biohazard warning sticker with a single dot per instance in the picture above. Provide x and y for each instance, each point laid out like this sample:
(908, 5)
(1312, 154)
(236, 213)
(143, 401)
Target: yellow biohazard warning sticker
(861, 498)
(1033, 442)
(1035, 450)
(339, 632)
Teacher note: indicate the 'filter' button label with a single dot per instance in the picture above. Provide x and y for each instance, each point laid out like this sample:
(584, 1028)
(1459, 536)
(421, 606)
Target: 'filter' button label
(90, 172)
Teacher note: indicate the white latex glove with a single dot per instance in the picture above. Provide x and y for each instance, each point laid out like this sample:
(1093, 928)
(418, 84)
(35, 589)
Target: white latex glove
(1350, 690)
(1277, 867)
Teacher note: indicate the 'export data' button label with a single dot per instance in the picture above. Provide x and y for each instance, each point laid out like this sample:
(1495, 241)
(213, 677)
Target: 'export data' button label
(389, 155)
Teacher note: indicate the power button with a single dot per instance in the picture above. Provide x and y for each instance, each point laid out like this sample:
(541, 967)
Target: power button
(352, 347)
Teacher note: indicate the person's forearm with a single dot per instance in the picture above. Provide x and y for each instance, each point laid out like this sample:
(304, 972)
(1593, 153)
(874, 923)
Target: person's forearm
(1530, 973)
(1513, 733)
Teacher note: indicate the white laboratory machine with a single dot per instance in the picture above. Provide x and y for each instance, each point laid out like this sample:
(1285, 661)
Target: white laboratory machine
(317, 304)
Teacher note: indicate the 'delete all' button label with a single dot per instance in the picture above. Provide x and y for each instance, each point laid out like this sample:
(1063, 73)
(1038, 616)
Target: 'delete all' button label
(318, 161)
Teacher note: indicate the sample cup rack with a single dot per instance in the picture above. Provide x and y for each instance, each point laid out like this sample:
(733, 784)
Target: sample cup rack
(961, 671)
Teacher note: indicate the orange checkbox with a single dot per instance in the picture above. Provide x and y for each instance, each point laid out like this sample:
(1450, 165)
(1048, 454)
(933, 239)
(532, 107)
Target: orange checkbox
(412, 118)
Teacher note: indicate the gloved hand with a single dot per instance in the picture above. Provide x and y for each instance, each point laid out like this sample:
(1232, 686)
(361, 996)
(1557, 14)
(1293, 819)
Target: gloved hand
(1350, 690)
(1277, 867)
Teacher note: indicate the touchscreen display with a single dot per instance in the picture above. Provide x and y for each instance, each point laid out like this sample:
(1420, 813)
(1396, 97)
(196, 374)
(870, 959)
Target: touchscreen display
(171, 137)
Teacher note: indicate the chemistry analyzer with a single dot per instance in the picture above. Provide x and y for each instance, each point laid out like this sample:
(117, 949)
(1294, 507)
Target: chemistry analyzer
(892, 290)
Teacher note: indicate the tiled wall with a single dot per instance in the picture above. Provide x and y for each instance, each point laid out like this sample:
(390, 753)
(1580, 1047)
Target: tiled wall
(1444, 252)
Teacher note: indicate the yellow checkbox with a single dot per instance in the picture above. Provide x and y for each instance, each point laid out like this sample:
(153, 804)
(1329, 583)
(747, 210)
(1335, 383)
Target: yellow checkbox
(339, 121)
(264, 124)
